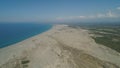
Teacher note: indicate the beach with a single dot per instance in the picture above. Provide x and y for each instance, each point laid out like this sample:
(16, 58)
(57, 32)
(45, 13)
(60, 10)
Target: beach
(60, 47)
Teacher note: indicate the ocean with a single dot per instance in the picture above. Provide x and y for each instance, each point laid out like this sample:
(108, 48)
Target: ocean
(11, 33)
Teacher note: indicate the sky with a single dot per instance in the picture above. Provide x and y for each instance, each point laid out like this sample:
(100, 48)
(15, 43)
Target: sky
(59, 10)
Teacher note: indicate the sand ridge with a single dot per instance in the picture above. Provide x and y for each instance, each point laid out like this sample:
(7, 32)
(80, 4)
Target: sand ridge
(60, 47)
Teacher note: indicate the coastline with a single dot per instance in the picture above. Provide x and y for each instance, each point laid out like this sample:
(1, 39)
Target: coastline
(18, 48)
(48, 44)
(13, 33)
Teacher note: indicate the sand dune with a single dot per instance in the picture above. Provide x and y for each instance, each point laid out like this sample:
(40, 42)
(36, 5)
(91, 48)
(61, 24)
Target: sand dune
(60, 47)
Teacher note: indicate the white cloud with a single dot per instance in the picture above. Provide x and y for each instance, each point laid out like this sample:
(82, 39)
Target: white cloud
(101, 15)
(71, 17)
(82, 17)
(109, 14)
(118, 8)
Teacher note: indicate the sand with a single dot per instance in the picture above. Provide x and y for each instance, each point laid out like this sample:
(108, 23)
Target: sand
(60, 47)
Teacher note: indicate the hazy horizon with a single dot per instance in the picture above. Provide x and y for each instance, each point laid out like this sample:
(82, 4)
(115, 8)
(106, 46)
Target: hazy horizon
(59, 11)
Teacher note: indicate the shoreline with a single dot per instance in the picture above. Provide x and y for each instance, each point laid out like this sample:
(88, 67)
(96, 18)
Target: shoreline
(23, 39)
(46, 47)
(19, 45)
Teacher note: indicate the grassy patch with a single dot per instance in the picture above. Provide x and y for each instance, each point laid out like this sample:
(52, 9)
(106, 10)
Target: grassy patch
(107, 39)
(108, 42)
(25, 61)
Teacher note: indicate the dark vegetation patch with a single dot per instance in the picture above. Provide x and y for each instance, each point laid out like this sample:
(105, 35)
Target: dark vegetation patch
(107, 34)
(16, 62)
(25, 61)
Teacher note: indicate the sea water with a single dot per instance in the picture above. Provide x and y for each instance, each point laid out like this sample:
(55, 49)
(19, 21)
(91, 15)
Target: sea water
(11, 33)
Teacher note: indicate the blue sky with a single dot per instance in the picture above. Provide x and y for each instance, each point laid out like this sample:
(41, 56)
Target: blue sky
(59, 10)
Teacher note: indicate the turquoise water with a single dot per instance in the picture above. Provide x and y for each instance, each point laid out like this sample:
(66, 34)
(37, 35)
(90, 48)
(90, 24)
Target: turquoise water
(11, 33)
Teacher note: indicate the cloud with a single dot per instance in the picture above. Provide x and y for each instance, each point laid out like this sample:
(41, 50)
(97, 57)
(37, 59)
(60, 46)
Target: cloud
(108, 14)
(118, 8)
(82, 17)
(101, 15)
(70, 17)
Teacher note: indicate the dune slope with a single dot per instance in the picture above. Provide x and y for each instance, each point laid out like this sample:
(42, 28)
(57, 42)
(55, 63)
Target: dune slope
(60, 47)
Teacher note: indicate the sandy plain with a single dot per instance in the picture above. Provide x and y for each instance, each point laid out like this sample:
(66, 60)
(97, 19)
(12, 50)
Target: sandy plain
(60, 47)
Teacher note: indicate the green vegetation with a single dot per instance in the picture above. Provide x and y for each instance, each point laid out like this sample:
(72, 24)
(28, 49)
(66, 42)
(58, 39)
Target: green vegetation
(108, 36)
(25, 61)
(105, 34)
